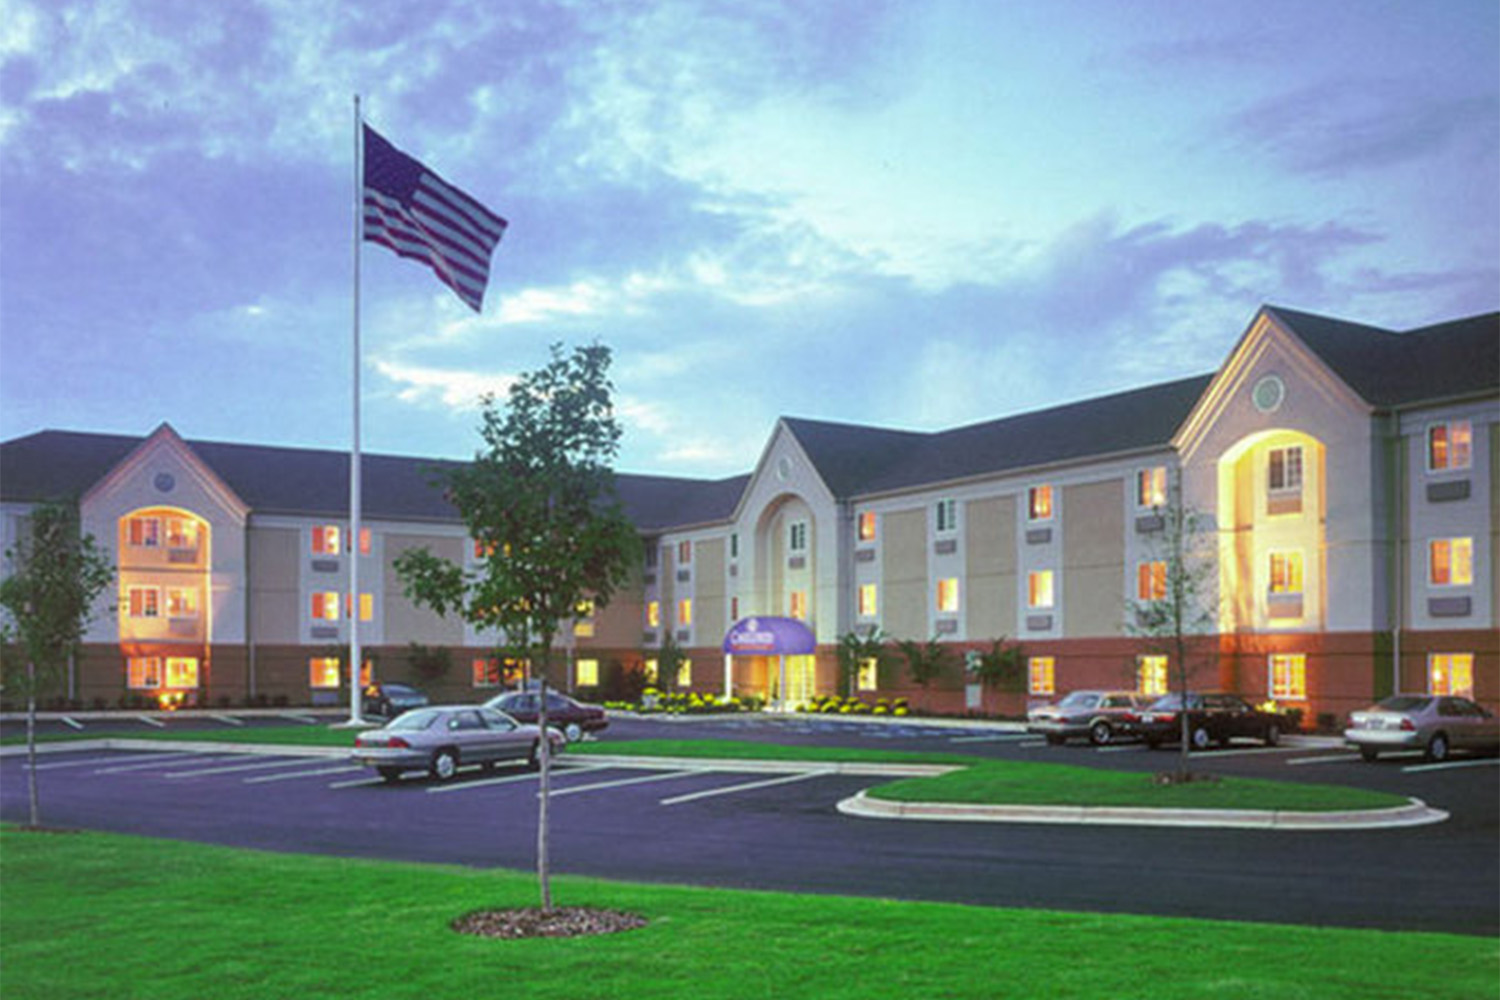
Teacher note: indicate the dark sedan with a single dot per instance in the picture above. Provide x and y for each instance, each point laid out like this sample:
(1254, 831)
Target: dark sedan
(572, 718)
(390, 700)
(1212, 719)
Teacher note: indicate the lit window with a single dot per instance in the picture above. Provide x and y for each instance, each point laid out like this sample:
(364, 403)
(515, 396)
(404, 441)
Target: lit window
(1289, 676)
(1151, 487)
(1451, 562)
(1151, 580)
(586, 673)
(1151, 675)
(947, 595)
(867, 679)
(1449, 446)
(1039, 503)
(653, 614)
(182, 671)
(145, 672)
(947, 516)
(143, 532)
(1285, 475)
(583, 625)
(366, 607)
(685, 611)
(325, 540)
(323, 672)
(867, 606)
(182, 533)
(685, 673)
(145, 602)
(182, 602)
(867, 526)
(1451, 674)
(1041, 672)
(1286, 572)
(797, 601)
(684, 553)
(651, 671)
(325, 605)
(797, 536)
(485, 672)
(1039, 589)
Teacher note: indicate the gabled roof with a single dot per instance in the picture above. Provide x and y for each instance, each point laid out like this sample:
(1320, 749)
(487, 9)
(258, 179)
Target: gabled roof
(1445, 361)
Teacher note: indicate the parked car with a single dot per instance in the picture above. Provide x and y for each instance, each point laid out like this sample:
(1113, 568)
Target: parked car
(390, 700)
(1212, 718)
(440, 739)
(573, 718)
(1435, 724)
(1102, 716)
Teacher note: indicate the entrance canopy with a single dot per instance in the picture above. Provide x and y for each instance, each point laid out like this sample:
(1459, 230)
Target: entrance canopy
(770, 637)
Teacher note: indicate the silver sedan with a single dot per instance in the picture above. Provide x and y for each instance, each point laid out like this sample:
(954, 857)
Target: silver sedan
(442, 738)
(1435, 724)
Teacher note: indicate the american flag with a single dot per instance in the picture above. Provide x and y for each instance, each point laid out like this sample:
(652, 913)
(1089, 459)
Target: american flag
(419, 215)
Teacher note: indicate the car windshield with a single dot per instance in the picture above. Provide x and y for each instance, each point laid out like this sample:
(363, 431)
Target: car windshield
(419, 718)
(1079, 699)
(1404, 703)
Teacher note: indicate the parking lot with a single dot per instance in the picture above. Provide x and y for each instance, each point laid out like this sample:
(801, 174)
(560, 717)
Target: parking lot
(779, 829)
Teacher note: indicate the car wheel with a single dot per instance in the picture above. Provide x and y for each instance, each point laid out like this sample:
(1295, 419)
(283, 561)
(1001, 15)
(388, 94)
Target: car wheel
(1200, 738)
(573, 732)
(1369, 754)
(444, 764)
(1437, 747)
(390, 774)
(1100, 733)
(1273, 735)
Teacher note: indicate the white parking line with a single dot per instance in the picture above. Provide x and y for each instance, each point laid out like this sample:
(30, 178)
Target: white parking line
(1342, 758)
(231, 768)
(748, 786)
(1452, 764)
(158, 761)
(620, 783)
(304, 719)
(152, 722)
(1001, 738)
(506, 780)
(70, 721)
(344, 769)
(357, 783)
(228, 720)
(1122, 748)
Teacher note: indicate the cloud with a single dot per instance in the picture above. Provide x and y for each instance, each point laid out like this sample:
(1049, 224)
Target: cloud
(449, 388)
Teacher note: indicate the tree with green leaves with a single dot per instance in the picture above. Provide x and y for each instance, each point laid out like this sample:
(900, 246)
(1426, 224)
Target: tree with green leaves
(1002, 666)
(539, 501)
(856, 650)
(669, 659)
(1182, 608)
(925, 661)
(56, 573)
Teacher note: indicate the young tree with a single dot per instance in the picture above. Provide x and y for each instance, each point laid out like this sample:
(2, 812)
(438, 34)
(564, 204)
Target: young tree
(925, 661)
(1002, 666)
(56, 575)
(856, 650)
(1182, 606)
(539, 501)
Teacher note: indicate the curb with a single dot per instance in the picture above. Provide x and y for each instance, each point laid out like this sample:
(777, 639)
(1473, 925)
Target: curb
(876, 769)
(1416, 813)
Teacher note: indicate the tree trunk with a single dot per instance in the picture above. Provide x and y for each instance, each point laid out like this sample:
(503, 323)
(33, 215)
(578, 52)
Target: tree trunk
(31, 790)
(544, 756)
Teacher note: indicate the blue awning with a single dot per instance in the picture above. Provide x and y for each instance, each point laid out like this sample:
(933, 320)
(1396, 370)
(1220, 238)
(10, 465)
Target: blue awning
(764, 636)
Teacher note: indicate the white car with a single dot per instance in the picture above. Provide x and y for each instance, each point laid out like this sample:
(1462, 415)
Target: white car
(1435, 724)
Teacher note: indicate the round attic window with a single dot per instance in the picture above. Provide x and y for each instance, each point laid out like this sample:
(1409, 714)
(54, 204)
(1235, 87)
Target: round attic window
(164, 482)
(1268, 394)
(784, 468)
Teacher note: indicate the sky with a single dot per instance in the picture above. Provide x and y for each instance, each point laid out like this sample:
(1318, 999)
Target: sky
(906, 214)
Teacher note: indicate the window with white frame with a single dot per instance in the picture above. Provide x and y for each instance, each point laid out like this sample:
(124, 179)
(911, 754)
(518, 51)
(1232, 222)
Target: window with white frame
(325, 605)
(586, 673)
(867, 600)
(1151, 674)
(182, 533)
(1288, 681)
(144, 672)
(1450, 446)
(486, 672)
(685, 612)
(144, 602)
(1151, 580)
(366, 607)
(182, 602)
(797, 604)
(1451, 674)
(143, 532)
(1286, 572)
(1450, 562)
(1039, 589)
(1284, 475)
(867, 678)
(327, 540)
(182, 671)
(866, 526)
(1039, 503)
(653, 614)
(1151, 487)
(684, 553)
(947, 595)
(947, 516)
(685, 673)
(796, 536)
(323, 672)
(1041, 674)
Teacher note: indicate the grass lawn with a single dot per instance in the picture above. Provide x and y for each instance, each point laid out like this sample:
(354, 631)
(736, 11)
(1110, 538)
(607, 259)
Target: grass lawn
(108, 915)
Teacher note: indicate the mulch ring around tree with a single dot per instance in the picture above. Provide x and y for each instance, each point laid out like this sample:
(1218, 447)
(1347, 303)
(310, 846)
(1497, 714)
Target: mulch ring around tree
(534, 922)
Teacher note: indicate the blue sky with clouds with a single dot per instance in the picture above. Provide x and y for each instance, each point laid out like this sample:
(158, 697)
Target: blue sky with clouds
(900, 213)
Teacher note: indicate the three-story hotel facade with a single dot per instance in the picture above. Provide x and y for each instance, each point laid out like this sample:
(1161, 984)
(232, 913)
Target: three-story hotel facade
(1343, 477)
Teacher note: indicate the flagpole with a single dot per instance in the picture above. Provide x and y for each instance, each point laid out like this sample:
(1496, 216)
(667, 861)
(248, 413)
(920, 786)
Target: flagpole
(356, 661)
